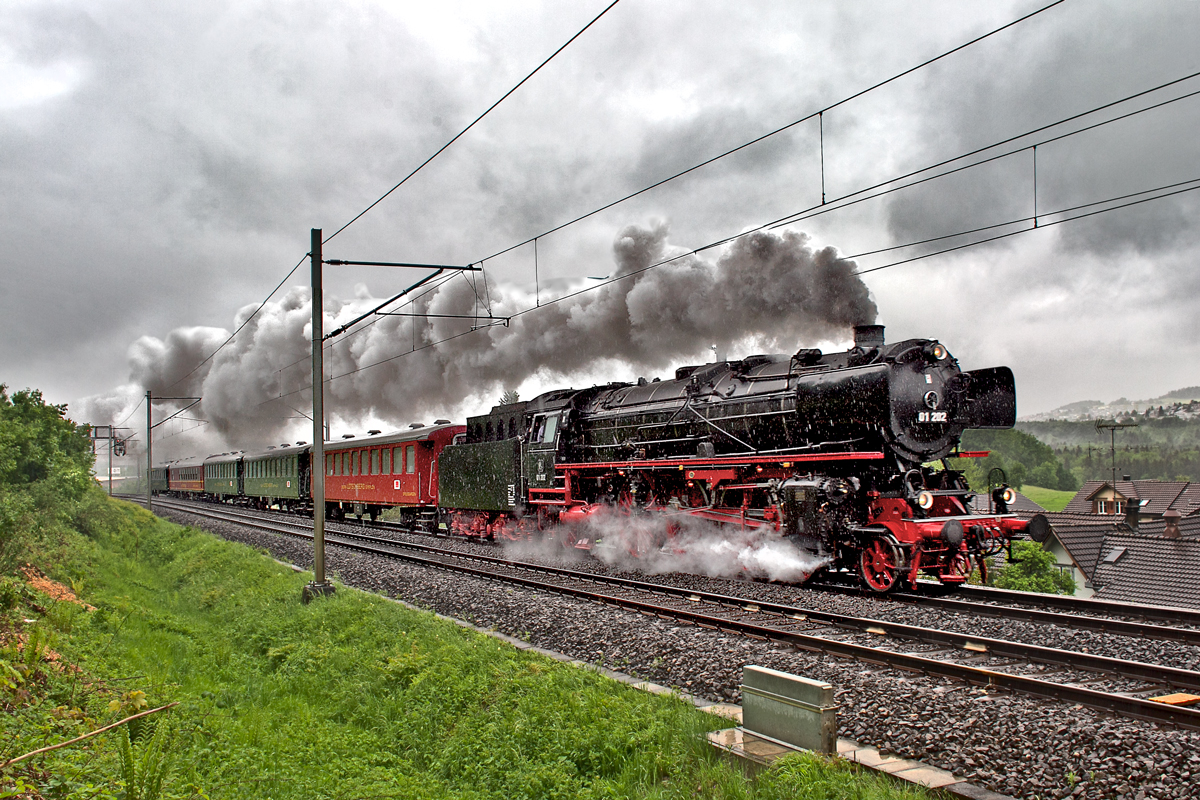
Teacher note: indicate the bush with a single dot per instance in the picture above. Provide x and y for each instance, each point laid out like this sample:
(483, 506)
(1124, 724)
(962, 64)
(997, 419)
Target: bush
(1034, 569)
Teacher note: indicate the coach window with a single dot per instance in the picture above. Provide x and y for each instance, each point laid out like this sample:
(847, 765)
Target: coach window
(387, 461)
(410, 455)
(374, 462)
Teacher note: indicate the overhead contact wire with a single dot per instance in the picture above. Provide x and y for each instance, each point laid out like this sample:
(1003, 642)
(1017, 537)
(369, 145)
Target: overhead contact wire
(814, 115)
(210, 356)
(477, 119)
(837, 204)
(709, 246)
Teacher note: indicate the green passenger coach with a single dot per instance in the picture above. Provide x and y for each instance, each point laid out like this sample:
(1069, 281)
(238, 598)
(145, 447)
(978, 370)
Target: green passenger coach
(278, 476)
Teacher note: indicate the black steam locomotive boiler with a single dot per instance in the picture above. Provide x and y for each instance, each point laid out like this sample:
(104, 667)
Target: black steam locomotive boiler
(841, 454)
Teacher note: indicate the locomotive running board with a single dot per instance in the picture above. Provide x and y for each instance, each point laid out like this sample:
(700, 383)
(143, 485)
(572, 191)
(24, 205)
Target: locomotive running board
(725, 461)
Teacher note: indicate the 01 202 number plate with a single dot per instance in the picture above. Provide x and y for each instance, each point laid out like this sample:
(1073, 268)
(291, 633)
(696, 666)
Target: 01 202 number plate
(931, 416)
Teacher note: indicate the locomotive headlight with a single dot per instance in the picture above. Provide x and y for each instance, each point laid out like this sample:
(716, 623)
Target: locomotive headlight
(1009, 495)
(937, 351)
(925, 500)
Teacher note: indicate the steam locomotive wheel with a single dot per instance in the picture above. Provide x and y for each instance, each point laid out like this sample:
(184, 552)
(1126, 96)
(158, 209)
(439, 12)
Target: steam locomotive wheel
(881, 564)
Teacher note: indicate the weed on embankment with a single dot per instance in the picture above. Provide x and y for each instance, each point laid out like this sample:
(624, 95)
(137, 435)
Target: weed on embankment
(352, 696)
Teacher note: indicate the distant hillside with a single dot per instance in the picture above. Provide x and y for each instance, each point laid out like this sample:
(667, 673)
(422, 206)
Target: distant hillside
(1183, 403)
(1163, 447)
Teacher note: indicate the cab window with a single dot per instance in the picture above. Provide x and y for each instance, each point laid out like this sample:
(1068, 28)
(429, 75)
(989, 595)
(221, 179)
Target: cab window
(545, 428)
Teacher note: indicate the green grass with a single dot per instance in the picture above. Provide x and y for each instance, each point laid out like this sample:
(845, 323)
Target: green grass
(1049, 499)
(352, 696)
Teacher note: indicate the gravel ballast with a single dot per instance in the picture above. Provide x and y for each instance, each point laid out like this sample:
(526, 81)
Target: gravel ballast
(1009, 743)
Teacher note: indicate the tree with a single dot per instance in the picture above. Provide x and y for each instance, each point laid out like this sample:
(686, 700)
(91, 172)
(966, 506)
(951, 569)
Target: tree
(38, 443)
(1033, 569)
(509, 396)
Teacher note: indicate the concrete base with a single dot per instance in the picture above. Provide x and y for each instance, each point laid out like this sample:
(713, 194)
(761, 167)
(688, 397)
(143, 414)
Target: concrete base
(315, 589)
(754, 753)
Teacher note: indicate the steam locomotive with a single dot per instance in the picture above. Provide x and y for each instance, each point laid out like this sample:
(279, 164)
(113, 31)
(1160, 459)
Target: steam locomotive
(841, 455)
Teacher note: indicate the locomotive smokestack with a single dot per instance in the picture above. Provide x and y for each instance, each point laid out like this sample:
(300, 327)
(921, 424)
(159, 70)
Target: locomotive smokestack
(868, 336)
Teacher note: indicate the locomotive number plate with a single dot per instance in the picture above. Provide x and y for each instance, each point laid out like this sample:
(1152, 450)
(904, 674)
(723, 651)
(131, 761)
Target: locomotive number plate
(931, 416)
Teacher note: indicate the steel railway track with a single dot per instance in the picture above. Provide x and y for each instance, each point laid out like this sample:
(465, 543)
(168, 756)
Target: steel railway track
(1009, 665)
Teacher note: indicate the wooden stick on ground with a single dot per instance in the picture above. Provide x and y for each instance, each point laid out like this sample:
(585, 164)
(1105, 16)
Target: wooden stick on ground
(12, 761)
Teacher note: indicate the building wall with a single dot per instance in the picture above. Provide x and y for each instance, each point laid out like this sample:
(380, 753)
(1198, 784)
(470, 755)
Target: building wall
(1083, 587)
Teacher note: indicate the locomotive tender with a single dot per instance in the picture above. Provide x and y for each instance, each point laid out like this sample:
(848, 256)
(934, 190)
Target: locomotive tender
(830, 452)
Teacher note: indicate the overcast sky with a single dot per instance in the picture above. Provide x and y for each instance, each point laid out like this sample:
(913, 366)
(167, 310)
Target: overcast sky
(161, 165)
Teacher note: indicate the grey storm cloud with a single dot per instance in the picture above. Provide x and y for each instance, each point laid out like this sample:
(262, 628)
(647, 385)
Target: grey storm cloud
(1052, 73)
(777, 291)
(162, 163)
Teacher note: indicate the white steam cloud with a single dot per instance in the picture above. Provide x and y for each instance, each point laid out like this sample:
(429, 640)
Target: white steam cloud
(639, 543)
(775, 291)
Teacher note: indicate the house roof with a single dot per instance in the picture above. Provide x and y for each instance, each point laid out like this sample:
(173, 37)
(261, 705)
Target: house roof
(1189, 527)
(1083, 535)
(1156, 496)
(1151, 570)
(1189, 500)
(1081, 503)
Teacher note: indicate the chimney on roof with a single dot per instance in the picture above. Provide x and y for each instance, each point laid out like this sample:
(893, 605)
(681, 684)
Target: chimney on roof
(1171, 517)
(1132, 515)
(1125, 478)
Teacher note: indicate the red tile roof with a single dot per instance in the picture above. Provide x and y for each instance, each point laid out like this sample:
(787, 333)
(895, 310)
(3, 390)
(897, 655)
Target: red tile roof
(1156, 496)
(1151, 570)
(1083, 535)
(1189, 527)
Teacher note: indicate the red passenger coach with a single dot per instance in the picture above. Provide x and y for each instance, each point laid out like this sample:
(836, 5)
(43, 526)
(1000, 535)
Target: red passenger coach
(185, 478)
(392, 470)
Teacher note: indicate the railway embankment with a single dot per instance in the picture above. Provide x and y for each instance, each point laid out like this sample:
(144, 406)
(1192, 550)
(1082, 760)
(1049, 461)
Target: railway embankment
(351, 696)
(1009, 742)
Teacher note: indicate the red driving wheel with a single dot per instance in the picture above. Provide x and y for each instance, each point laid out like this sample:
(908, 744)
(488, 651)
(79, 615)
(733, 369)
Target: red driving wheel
(880, 564)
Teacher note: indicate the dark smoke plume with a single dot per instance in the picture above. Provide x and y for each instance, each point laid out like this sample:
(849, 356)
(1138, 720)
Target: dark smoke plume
(765, 293)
